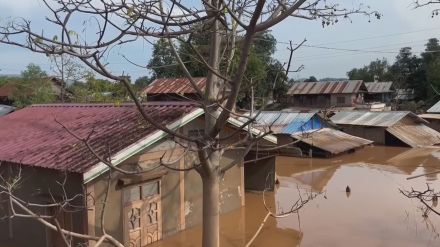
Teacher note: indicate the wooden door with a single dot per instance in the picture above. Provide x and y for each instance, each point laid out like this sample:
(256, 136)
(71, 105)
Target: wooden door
(142, 214)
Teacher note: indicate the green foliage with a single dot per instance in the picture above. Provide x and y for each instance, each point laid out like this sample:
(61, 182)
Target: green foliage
(408, 72)
(163, 62)
(98, 90)
(260, 72)
(311, 79)
(378, 69)
(32, 88)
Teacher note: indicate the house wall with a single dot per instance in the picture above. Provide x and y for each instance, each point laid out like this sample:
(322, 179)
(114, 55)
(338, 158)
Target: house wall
(36, 186)
(259, 174)
(325, 100)
(376, 134)
(434, 124)
(181, 192)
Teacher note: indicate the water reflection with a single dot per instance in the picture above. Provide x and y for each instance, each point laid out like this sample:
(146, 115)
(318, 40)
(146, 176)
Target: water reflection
(371, 213)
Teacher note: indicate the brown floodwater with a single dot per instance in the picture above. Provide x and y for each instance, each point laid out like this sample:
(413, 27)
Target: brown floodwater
(374, 213)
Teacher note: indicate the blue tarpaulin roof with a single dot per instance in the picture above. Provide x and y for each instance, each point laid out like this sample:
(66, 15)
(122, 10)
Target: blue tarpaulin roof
(288, 122)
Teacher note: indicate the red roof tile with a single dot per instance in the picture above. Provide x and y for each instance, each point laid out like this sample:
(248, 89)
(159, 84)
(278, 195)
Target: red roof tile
(32, 137)
(174, 86)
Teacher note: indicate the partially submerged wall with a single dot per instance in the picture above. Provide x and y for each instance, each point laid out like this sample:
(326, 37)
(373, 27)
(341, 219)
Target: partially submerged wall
(40, 185)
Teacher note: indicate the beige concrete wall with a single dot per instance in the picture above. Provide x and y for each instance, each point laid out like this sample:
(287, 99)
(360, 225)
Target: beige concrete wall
(181, 191)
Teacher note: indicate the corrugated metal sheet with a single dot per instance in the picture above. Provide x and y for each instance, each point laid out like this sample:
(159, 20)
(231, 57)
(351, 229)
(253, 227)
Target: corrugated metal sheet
(332, 141)
(286, 122)
(379, 87)
(415, 135)
(367, 118)
(327, 87)
(435, 108)
(5, 109)
(32, 137)
(430, 116)
(174, 86)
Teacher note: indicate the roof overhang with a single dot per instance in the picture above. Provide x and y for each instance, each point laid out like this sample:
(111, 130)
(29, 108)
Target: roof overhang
(140, 145)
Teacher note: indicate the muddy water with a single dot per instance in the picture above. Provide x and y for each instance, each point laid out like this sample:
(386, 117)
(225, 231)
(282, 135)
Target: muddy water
(374, 213)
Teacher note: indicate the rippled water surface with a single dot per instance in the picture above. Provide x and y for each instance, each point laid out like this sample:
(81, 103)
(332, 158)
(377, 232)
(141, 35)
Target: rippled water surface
(374, 213)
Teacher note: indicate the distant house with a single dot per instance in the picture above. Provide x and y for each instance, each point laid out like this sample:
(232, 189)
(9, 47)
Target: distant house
(7, 90)
(142, 208)
(165, 89)
(395, 128)
(327, 94)
(432, 115)
(379, 92)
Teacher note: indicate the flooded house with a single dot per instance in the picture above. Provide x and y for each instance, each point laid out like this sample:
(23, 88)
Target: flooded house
(53, 164)
(327, 94)
(395, 128)
(307, 134)
(171, 89)
(432, 115)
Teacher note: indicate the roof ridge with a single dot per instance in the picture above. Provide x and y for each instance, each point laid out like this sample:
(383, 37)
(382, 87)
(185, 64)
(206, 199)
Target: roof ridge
(127, 104)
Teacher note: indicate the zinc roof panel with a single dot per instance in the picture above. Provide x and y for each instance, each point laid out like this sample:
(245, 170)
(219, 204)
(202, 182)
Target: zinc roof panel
(379, 87)
(415, 135)
(325, 87)
(174, 86)
(435, 108)
(332, 141)
(367, 118)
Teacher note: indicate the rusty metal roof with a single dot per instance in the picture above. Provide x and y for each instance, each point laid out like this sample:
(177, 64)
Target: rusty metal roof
(327, 87)
(32, 137)
(368, 118)
(174, 86)
(379, 87)
(435, 108)
(332, 141)
(415, 135)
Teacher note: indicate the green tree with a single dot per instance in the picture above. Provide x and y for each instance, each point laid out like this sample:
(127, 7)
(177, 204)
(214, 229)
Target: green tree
(163, 63)
(311, 79)
(33, 88)
(378, 69)
(431, 67)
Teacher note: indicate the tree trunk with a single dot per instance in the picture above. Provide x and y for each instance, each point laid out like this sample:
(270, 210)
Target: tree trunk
(211, 211)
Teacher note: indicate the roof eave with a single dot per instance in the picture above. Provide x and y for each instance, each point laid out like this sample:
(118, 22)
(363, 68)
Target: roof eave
(138, 146)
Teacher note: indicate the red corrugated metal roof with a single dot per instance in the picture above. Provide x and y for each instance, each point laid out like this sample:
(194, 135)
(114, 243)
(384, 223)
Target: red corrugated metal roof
(327, 87)
(174, 85)
(32, 137)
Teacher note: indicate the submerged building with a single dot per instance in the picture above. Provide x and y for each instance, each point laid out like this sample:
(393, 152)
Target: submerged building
(396, 128)
(307, 134)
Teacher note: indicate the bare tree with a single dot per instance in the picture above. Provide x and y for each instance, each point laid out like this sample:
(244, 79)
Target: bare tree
(425, 3)
(230, 25)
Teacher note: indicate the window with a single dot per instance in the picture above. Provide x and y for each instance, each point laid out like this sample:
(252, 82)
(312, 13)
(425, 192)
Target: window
(142, 191)
(340, 100)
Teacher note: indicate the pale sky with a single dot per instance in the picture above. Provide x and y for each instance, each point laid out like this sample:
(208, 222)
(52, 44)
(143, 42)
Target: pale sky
(400, 26)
